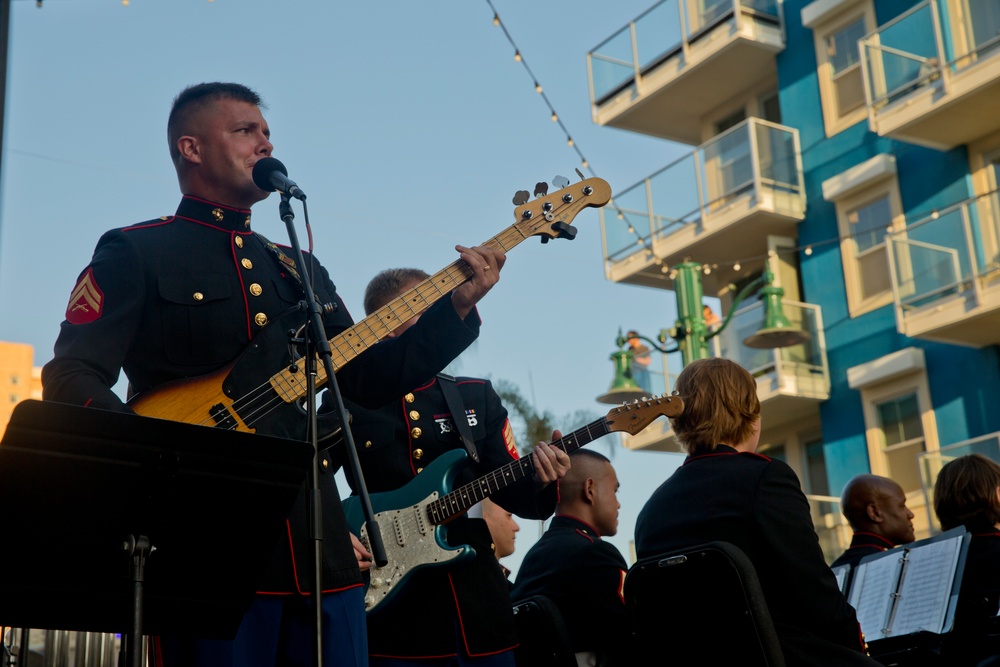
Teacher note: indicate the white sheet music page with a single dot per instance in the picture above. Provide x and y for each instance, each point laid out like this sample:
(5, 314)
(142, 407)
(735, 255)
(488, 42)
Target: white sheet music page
(872, 593)
(926, 587)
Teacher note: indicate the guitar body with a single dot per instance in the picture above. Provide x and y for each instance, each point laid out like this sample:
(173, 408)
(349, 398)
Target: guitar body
(239, 396)
(411, 541)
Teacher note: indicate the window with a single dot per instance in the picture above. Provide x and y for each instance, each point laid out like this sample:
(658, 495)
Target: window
(864, 220)
(900, 426)
(839, 68)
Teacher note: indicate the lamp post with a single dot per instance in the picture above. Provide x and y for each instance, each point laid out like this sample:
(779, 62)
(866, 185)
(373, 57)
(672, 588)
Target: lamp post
(691, 332)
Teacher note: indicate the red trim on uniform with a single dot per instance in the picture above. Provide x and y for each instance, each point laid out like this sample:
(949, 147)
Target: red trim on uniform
(760, 456)
(203, 223)
(157, 651)
(89, 401)
(715, 453)
(889, 545)
(576, 518)
(472, 381)
(156, 223)
(461, 627)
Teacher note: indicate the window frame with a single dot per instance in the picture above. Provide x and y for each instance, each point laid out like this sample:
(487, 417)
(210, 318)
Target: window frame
(833, 121)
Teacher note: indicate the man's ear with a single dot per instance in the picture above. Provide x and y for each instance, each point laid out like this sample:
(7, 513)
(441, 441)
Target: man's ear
(874, 513)
(189, 148)
(588, 491)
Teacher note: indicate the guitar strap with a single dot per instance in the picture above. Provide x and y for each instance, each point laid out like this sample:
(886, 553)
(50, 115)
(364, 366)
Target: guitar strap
(457, 407)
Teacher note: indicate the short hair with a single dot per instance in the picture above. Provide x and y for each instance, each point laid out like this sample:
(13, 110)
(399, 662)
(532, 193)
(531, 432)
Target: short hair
(582, 465)
(386, 286)
(860, 491)
(965, 493)
(195, 98)
(720, 403)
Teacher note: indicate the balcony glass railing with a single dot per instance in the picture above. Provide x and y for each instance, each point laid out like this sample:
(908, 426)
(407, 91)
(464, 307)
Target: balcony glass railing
(933, 37)
(661, 32)
(831, 526)
(946, 253)
(806, 361)
(930, 464)
(749, 159)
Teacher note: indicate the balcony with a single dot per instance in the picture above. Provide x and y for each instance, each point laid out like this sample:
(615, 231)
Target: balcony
(791, 381)
(931, 462)
(932, 75)
(664, 71)
(945, 274)
(715, 205)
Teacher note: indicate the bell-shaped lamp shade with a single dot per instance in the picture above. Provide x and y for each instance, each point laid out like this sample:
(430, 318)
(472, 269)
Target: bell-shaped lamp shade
(777, 330)
(623, 387)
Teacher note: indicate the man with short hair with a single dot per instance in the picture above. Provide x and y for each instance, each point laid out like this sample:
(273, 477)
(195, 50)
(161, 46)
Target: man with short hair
(876, 509)
(456, 613)
(581, 573)
(182, 296)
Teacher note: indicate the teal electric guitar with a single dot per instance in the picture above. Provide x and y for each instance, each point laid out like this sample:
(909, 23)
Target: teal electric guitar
(412, 519)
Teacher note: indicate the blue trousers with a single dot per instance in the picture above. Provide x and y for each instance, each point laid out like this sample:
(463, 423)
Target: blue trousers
(278, 631)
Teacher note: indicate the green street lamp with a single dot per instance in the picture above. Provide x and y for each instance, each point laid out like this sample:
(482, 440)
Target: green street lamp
(691, 332)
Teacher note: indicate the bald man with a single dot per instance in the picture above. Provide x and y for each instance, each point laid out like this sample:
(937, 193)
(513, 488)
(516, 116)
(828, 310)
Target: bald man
(876, 509)
(581, 573)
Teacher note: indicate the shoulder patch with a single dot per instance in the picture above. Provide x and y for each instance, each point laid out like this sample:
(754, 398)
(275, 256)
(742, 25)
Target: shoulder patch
(508, 440)
(86, 300)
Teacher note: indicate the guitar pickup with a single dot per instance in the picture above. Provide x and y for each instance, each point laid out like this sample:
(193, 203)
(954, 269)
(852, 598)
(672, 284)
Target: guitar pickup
(223, 417)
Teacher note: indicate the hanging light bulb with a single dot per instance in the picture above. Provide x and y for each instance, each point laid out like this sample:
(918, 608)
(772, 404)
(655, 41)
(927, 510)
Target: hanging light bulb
(555, 116)
(517, 56)
(538, 88)
(809, 250)
(631, 229)
(736, 266)
(586, 164)
(569, 141)
(496, 19)
(125, 3)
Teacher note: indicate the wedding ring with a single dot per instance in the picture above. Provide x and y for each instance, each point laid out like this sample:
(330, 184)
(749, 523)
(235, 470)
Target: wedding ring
(486, 268)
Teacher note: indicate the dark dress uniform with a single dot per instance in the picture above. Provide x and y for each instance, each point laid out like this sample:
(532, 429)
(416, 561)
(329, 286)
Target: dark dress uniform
(756, 504)
(183, 296)
(584, 576)
(862, 544)
(976, 634)
(470, 599)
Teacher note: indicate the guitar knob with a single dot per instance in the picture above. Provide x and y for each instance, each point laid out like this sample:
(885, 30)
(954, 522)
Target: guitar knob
(369, 601)
(377, 582)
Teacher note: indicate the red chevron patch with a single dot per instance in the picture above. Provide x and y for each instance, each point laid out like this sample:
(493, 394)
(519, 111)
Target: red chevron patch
(86, 301)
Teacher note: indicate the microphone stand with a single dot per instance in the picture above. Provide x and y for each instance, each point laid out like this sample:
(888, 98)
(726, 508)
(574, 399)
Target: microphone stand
(317, 344)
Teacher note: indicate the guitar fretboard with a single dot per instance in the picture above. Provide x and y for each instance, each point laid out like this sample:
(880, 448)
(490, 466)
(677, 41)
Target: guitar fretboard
(461, 499)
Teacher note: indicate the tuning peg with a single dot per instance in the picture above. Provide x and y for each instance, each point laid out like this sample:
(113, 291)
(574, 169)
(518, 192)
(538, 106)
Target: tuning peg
(541, 189)
(521, 197)
(560, 182)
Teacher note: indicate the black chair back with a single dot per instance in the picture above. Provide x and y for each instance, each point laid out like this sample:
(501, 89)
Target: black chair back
(704, 601)
(542, 635)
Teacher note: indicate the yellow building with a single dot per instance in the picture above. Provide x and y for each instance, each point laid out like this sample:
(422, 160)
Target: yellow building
(19, 378)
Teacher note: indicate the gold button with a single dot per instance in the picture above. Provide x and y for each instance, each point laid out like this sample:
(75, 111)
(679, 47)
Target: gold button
(246, 223)
(414, 415)
(419, 470)
(247, 264)
(493, 548)
(260, 319)
(368, 443)
(410, 398)
(326, 463)
(198, 296)
(415, 432)
(256, 289)
(238, 241)
(217, 214)
(418, 454)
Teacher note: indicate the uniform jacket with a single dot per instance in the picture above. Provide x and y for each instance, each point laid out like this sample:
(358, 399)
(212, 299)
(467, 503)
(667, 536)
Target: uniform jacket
(975, 634)
(756, 504)
(862, 544)
(584, 576)
(182, 296)
(395, 443)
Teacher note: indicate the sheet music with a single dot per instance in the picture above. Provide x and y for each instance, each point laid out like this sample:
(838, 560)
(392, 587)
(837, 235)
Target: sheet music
(926, 587)
(841, 572)
(872, 592)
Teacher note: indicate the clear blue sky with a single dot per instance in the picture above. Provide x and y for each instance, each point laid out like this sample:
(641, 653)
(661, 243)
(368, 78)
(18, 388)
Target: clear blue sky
(410, 126)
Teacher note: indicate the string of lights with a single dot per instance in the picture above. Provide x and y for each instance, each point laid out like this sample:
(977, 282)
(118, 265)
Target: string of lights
(642, 241)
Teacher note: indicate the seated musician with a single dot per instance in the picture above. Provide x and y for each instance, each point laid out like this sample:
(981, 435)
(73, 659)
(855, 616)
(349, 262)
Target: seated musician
(503, 530)
(967, 493)
(459, 613)
(876, 509)
(726, 492)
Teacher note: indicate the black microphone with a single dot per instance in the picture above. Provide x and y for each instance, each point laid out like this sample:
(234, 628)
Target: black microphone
(270, 175)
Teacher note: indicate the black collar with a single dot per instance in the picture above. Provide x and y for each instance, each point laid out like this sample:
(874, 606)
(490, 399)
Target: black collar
(215, 215)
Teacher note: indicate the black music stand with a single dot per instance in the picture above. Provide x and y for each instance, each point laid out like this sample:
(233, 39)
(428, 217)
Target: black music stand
(76, 484)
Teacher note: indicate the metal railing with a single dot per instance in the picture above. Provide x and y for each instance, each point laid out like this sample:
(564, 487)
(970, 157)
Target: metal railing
(752, 159)
(930, 464)
(948, 252)
(665, 30)
(915, 49)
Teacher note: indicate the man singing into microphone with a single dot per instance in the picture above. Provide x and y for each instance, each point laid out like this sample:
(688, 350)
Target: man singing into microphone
(183, 295)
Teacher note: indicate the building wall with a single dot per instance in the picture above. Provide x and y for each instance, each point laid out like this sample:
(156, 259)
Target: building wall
(963, 382)
(19, 380)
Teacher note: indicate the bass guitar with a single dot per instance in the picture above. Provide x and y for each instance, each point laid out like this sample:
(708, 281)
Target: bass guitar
(412, 518)
(264, 386)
